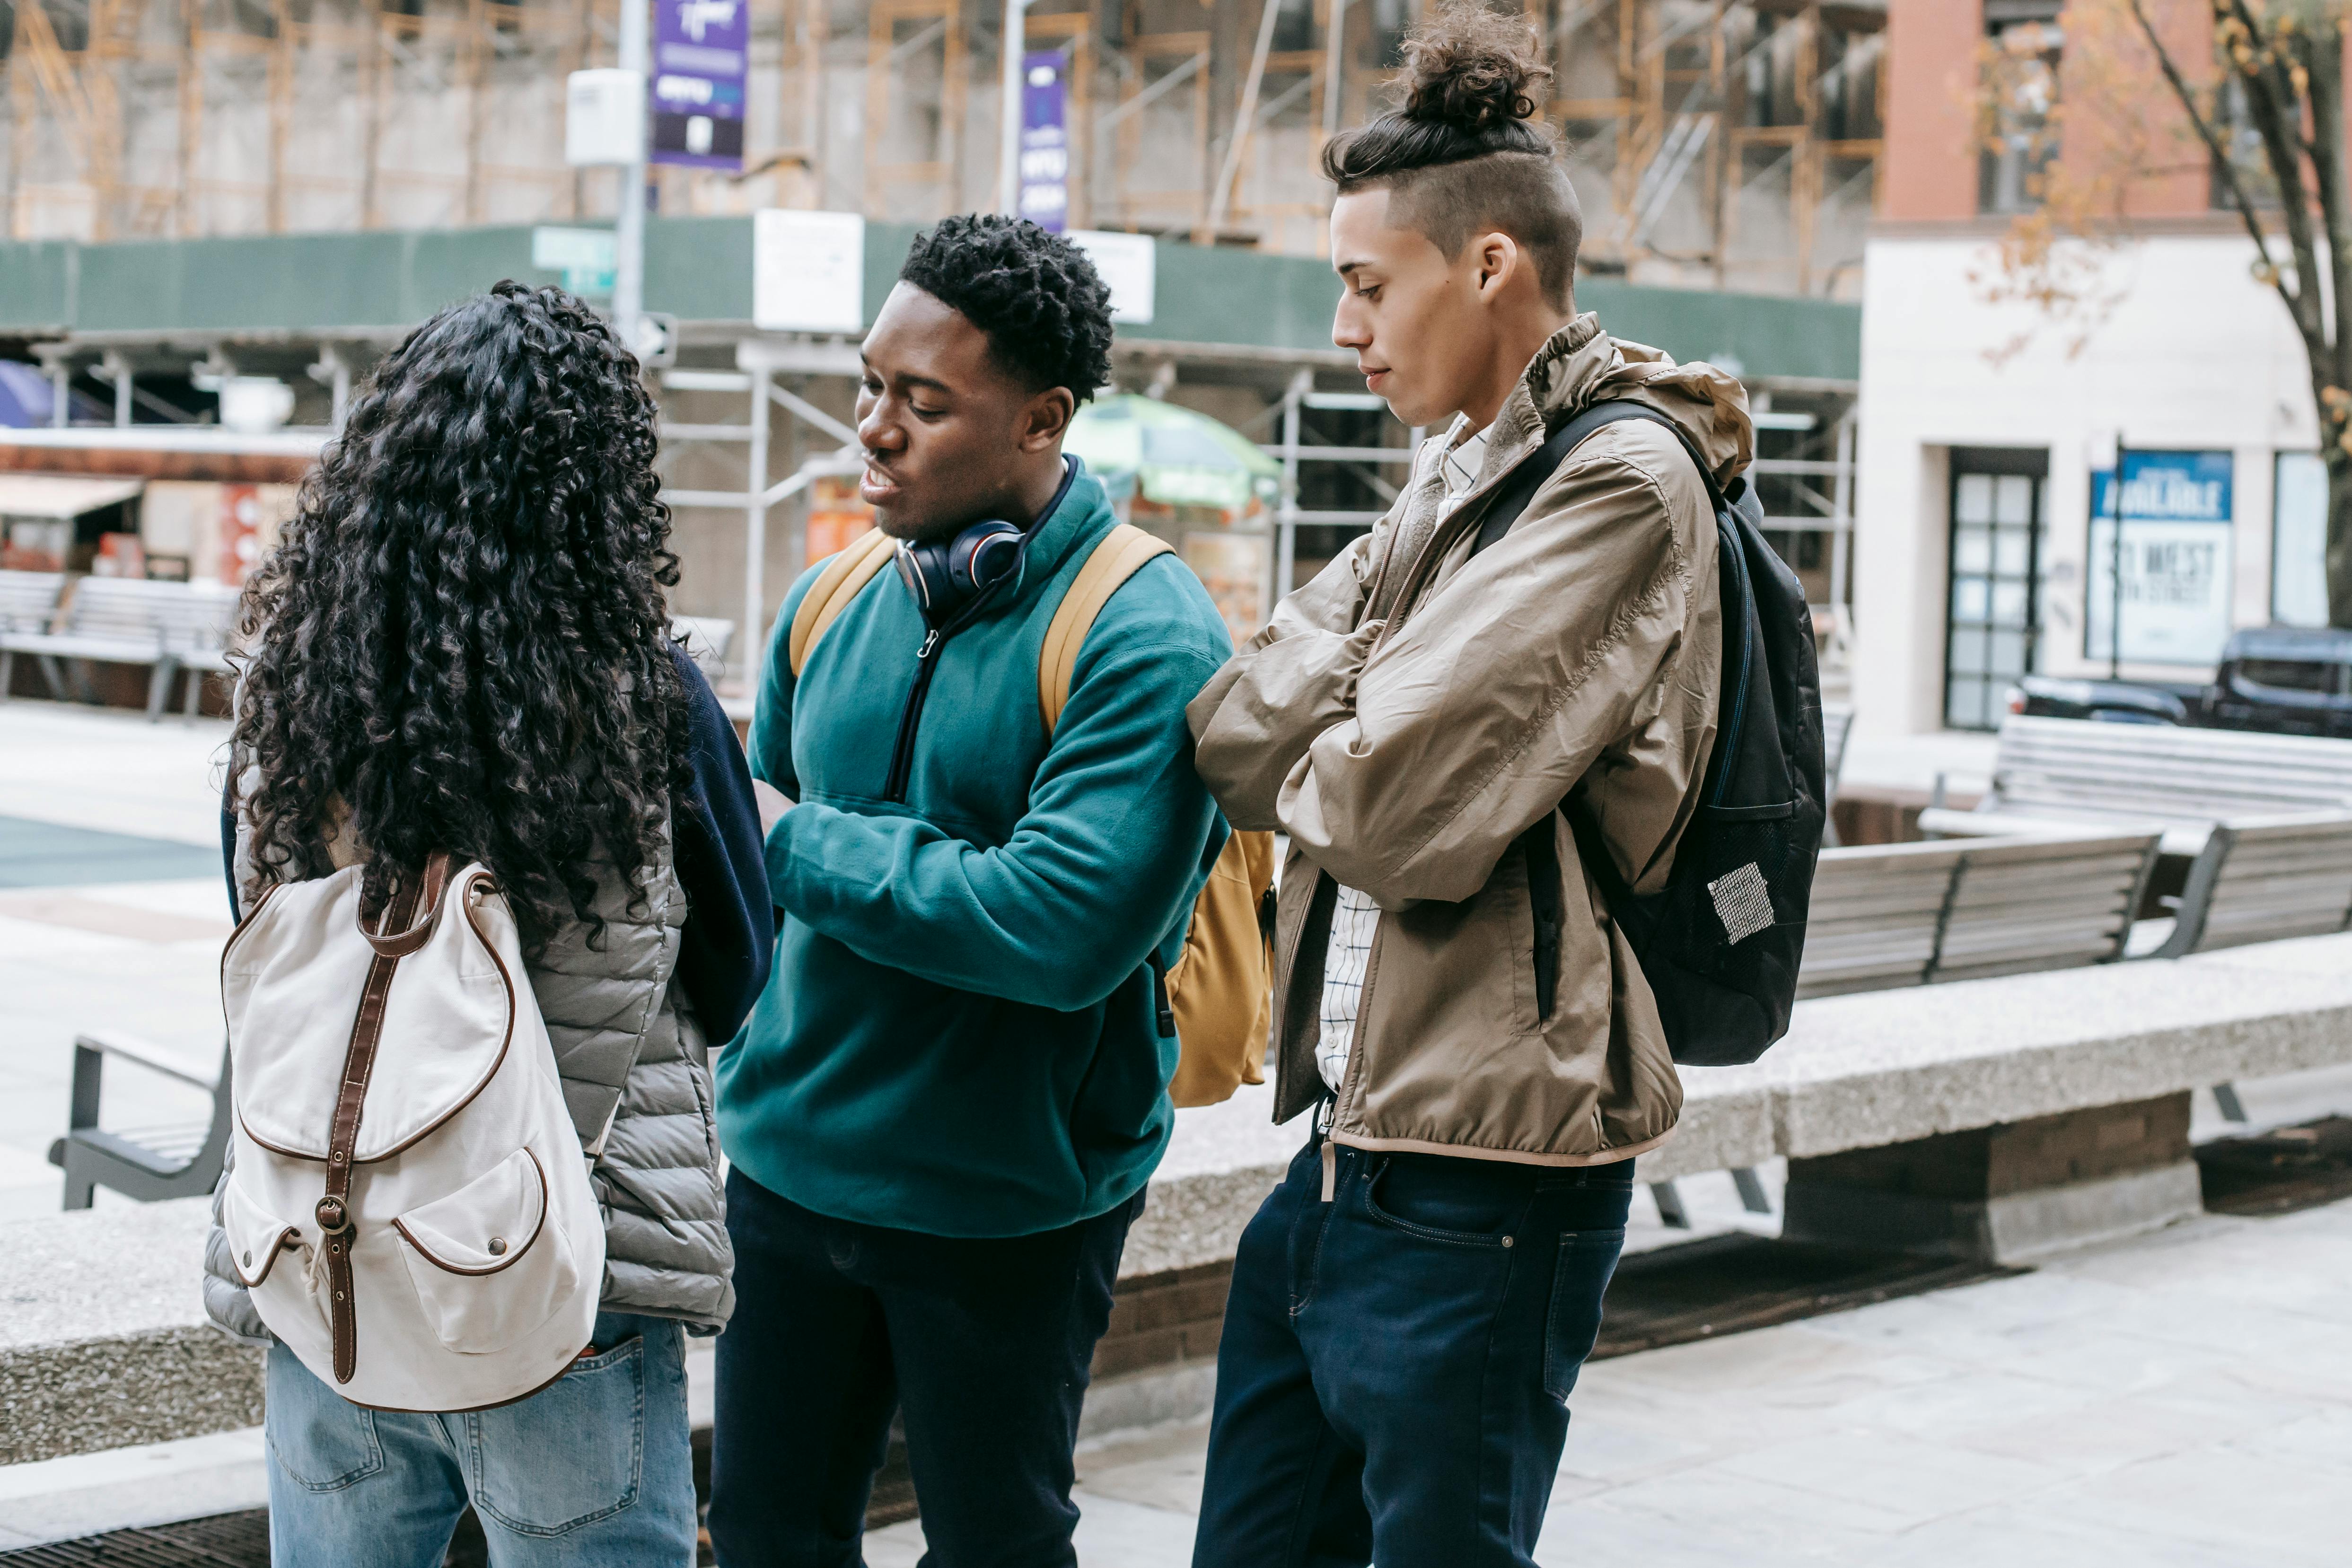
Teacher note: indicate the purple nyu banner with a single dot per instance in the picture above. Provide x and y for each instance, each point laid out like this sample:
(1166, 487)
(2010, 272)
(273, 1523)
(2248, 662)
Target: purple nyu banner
(1044, 140)
(696, 97)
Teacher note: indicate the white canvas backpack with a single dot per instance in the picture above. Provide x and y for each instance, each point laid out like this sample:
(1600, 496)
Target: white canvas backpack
(409, 1207)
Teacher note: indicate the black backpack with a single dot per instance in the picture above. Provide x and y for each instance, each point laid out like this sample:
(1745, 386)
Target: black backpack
(1721, 941)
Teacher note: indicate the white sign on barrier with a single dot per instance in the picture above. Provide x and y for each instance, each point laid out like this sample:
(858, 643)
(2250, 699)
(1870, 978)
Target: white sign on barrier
(1129, 264)
(808, 271)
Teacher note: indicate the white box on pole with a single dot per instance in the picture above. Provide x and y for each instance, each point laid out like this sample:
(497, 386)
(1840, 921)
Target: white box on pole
(808, 271)
(1130, 265)
(603, 118)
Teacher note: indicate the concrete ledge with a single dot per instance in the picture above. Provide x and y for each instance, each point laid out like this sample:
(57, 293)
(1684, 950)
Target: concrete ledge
(103, 1343)
(2017, 1227)
(1887, 1067)
(103, 1340)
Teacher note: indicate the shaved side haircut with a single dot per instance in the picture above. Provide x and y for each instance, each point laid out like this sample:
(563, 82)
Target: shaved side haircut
(1463, 156)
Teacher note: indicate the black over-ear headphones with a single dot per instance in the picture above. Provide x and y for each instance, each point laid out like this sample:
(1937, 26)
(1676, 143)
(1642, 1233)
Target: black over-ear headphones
(946, 575)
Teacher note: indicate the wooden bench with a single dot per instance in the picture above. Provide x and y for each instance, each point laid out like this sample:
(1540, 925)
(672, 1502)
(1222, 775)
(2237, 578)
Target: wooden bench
(1886, 915)
(1837, 725)
(167, 626)
(2265, 879)
(2073, 772)
(27, 602)
(181, 1159)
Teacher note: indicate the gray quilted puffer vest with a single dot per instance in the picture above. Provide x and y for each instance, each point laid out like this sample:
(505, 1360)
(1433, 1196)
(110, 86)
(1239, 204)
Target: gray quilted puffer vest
(636, 1077)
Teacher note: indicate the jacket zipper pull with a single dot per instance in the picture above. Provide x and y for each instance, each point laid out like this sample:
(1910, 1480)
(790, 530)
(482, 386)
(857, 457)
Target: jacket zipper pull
(930, 644)
(1330, 1170)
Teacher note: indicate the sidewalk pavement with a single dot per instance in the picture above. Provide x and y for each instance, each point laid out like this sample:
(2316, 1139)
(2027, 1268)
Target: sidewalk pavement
(2182, 1400)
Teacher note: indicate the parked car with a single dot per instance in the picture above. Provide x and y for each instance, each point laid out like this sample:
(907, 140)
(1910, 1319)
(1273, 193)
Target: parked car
(2286, 680)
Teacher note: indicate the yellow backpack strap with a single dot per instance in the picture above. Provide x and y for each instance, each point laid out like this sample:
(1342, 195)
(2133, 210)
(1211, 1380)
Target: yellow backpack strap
(1120, 556)
(851, 569)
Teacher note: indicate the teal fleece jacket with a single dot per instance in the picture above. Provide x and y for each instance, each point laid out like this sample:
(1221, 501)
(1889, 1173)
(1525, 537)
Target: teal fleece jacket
(959, 1034)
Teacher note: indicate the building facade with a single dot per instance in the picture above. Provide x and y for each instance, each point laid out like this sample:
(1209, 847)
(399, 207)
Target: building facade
(1991, 541)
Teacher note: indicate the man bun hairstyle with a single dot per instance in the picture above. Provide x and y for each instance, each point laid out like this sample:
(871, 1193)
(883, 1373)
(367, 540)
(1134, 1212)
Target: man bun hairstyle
(1036, 295)
(1464, 154)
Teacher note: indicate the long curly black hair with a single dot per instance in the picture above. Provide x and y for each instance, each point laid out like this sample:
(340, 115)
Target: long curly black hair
(461, 634)
(1036, 294)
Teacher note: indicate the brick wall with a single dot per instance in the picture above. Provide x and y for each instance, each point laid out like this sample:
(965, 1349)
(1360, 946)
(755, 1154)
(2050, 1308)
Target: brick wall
(1165, 1319)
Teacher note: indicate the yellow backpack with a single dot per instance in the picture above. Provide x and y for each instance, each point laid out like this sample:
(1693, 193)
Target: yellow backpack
(1221, 987)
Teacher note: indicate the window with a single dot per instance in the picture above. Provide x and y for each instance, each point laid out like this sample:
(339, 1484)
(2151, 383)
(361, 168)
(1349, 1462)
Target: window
(2292, 676)
(1993, 621)
(2017, 122)
(2234, 122)
(2299, 541)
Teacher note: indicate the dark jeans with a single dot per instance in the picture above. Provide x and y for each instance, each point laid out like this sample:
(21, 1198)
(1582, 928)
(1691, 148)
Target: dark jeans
(983, 1344)
(1394, 1379)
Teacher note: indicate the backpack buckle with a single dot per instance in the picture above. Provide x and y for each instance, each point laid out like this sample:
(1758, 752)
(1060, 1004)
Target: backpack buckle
(334, 1218)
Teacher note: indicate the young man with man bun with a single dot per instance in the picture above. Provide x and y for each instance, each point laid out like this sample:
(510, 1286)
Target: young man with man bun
(1477, 1044)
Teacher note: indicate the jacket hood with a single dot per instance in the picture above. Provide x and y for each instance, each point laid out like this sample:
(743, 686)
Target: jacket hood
(1581, 365)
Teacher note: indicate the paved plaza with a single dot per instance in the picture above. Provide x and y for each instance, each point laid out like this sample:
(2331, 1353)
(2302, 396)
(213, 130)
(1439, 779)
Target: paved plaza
(2183, 1397)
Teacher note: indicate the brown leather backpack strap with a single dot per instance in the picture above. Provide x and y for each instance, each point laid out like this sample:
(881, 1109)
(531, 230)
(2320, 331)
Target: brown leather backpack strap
(333, 1212)
(398, 936)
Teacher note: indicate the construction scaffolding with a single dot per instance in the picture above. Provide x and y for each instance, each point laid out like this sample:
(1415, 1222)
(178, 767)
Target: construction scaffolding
(1723, 143)
(1731, 145)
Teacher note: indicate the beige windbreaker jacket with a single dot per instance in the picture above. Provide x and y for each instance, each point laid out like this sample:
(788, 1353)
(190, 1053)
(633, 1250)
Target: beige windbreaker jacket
(1415, 715)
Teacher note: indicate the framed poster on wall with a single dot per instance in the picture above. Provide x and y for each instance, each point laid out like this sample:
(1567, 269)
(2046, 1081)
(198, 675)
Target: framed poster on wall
(2174, 510)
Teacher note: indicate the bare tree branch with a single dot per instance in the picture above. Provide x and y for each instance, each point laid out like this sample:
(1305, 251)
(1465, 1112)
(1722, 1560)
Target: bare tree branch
(2222, 162)
(2272, 101)
(2324, 87)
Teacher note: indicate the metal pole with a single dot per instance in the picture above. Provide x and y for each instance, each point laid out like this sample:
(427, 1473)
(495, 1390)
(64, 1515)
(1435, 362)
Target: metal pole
(1286, 545)
(1008, 173)
(2116, 568)
(1842, 519)
(755, 539)
(1245, 117)
(629, 228)
(1333, 66)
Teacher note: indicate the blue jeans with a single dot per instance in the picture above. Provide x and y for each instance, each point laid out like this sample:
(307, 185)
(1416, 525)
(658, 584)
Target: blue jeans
(1393, 1378)
(593, 1471)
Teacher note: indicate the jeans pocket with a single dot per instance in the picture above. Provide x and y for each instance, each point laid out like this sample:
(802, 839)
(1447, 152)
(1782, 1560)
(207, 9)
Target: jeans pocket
(594, 1416)
(1440, 1199)
(1571, 1325)
(320, 1440)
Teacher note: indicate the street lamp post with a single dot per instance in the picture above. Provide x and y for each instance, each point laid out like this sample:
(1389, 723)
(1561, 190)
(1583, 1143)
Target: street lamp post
(629, 228)
(2115, 566)
(1008, 176)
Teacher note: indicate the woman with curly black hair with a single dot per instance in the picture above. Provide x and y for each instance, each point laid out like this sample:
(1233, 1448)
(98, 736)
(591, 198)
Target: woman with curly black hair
(460, 644)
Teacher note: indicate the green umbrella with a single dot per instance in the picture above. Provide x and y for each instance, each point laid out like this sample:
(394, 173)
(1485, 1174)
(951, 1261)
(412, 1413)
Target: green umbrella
(1171, 455)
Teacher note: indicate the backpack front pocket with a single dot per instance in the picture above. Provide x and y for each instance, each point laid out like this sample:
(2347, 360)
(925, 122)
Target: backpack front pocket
(256, 1237)
(486, 1265)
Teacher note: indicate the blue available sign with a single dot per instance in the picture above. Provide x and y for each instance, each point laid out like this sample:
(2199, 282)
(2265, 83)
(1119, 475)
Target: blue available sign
(2167, 487)
(2174, 556)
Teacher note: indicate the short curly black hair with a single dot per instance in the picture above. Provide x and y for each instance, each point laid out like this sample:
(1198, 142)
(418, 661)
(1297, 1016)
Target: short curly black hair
(1037, 296)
